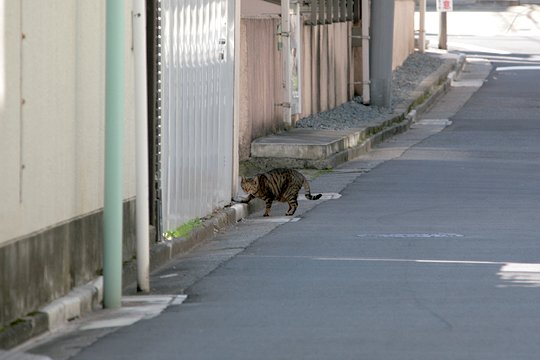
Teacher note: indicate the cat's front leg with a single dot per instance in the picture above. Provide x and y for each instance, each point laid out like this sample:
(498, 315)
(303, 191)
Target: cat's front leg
(244, 201)
(268, 207)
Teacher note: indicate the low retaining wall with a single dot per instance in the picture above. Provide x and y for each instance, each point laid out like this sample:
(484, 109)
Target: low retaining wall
(46, 265)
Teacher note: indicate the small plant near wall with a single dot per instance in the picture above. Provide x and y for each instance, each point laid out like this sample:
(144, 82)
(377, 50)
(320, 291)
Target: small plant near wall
(183, 230)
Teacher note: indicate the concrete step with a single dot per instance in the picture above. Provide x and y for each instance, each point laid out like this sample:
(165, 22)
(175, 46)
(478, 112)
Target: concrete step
(306, 143)
(322, 149)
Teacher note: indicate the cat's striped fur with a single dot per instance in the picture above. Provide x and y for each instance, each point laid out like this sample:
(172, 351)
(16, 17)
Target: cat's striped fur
(279, 185)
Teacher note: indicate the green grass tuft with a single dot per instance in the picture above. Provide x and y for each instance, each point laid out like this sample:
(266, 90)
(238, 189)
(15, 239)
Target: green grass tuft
(183, 230)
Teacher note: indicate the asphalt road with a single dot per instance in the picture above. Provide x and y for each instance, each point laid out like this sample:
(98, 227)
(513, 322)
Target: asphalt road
(431, 252)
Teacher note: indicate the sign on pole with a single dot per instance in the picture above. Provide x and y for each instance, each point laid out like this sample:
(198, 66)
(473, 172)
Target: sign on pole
(445, 5)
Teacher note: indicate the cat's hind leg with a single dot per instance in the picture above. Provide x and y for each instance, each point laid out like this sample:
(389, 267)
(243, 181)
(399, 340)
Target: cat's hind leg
(293, 205)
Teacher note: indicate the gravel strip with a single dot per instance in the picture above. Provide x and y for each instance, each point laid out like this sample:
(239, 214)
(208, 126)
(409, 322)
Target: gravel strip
(354, 114)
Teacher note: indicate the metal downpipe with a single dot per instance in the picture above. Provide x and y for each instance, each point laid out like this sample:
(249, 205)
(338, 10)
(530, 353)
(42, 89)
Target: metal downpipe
(141, 146)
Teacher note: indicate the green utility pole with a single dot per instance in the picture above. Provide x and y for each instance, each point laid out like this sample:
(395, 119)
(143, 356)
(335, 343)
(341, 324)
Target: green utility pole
(381, 52)
(114, 123)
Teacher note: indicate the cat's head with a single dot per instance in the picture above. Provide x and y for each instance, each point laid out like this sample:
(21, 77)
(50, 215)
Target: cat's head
(250, 185)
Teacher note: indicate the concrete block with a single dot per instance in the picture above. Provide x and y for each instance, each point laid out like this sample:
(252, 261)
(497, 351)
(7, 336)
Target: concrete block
(55, 314)
(241, 211)
(77, 302)
(98, 285)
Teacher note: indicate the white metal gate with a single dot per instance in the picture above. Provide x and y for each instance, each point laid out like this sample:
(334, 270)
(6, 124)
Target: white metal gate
(196, 72)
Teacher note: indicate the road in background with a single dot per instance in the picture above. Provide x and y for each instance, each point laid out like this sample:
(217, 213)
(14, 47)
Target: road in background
(504, 33)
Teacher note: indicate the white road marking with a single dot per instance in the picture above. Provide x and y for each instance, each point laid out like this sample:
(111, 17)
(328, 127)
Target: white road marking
(512, 274)
(517, 68)
(408, 236)
(457, 262)
(520, 275)
(521, 267)
(168, 276)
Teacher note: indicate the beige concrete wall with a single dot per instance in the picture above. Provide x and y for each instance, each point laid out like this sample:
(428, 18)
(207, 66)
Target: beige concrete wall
(52, 116)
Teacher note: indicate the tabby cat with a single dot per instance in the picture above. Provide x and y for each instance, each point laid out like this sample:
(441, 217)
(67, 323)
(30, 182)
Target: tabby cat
(280, 185)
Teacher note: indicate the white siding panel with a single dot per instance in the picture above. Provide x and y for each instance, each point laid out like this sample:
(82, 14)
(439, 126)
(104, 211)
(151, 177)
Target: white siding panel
(197, 67)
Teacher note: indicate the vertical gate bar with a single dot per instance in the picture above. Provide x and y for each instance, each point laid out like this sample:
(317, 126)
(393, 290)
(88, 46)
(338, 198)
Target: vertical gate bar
(357, 11)
(211, 181)
(175, 120)
(202, 147)
(152, 84)
(320, 12)
(286, 62)
(155, 112)
(186, 104)
(206, 196)
(184, 178)
(313, 6)
(335, 16)
(343, 10)
(166, 67)
(199, 147)
(188, 121)
(228, 170)
(195, 121)
(182, 107)
(220, 118)
(204, 129)
(173, 116)
(328, 17)
(214, 98)
(235, 168)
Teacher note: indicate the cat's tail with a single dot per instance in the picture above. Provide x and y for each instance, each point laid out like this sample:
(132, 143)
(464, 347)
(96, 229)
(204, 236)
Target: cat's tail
(308, 192)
